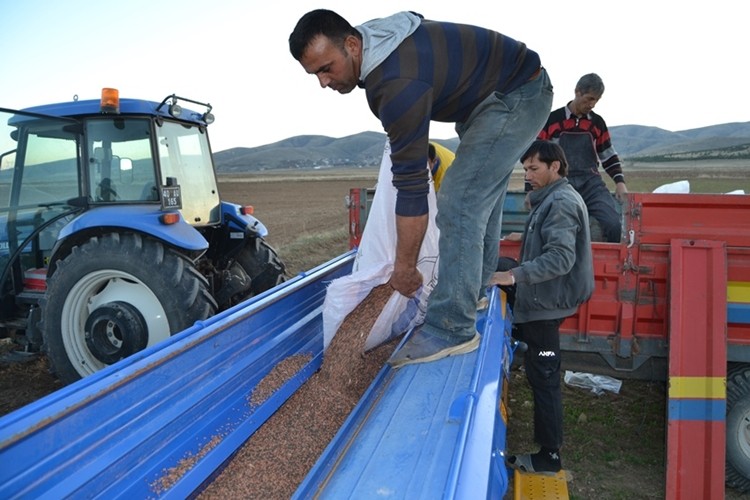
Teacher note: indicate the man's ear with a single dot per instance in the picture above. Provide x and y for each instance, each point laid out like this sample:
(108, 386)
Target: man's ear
(555, 166)
(353, 45)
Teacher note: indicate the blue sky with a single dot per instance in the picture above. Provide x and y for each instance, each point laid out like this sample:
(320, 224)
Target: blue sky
(665, 63)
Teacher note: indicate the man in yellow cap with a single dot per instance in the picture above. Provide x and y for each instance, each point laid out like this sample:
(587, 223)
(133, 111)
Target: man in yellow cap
(439, 159)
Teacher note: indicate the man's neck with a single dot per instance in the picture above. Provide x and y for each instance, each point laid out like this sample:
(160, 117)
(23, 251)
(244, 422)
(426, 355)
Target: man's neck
(574, 111)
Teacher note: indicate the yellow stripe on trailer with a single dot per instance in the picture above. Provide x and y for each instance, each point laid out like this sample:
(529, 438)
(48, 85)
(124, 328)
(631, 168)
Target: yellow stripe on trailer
(738, 291)
(697, 388)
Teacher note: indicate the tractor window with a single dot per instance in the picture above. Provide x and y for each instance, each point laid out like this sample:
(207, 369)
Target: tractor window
(50, 171)
(184, 154)
(121, 167)
(38, 160)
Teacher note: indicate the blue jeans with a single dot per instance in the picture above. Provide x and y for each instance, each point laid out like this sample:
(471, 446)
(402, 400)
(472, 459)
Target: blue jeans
(470, 202)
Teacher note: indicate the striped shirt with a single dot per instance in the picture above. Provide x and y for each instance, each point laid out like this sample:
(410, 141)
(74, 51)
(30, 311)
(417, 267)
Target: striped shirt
(562, 120)
(441, 72)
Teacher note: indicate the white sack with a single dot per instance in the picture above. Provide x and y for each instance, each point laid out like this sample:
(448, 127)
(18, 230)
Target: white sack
(373, 266)
(674, 187)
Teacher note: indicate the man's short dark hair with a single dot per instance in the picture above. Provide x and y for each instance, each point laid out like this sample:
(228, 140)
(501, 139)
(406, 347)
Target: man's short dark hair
(319, 22)
(548, 152)
(431, 151)
(590, 84)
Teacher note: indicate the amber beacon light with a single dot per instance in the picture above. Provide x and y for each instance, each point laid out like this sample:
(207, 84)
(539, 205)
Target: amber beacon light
(110, 102)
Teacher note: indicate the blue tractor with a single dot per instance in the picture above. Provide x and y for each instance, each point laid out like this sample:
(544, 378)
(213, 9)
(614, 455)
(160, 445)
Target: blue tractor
(113, 235)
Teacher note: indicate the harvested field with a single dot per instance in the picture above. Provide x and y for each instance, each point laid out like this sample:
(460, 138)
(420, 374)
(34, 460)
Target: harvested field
(291, 209)
(306, 214)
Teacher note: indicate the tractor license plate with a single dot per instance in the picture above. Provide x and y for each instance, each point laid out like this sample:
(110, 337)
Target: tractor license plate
(171, 197)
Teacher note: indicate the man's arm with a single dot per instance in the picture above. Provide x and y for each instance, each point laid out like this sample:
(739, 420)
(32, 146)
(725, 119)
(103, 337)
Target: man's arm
(405, 117)
(609, 158)
(621, 191)
(406, 278)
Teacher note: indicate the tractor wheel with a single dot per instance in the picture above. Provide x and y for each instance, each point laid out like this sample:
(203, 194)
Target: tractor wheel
(261, 262)
(738, 429)
(114, 296)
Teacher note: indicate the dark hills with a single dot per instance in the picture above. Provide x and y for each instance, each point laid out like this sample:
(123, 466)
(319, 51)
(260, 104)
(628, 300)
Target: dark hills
(634, 142)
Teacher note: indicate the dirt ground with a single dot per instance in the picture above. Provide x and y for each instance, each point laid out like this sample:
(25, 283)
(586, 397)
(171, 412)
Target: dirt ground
(615, 443)
(293, 207)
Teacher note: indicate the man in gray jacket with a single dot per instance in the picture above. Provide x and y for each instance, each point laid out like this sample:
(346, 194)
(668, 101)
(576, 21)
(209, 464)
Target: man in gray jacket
(555, 276)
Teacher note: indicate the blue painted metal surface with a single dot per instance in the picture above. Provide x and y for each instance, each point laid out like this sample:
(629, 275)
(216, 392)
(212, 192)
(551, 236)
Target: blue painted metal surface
(93, 107)
(162, 422)
(515, 213)
(142, 218)
(432, 430)
(236, 221)
(738, 313)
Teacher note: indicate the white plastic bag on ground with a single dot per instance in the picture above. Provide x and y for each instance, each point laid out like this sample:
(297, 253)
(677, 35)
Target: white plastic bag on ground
(373, 266)
(595, 383)
(674, 187)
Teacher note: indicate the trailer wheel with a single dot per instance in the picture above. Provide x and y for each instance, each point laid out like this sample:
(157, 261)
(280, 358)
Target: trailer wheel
(738, 429)
(114, 296)
(261, 262)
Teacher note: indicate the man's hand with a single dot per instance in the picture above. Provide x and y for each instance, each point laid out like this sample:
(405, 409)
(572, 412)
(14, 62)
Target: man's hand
(501, 278)
(621, 192)
(406, 281)
(514, 237)
(406, 278)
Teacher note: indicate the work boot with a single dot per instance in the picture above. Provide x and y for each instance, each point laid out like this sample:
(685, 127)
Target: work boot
(544, 462)
(423, 347)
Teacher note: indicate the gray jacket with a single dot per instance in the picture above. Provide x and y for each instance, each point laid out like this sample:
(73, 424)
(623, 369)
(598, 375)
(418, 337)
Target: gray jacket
(556, 273)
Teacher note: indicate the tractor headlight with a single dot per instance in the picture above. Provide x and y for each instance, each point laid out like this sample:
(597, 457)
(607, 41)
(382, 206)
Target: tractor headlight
(175, 110)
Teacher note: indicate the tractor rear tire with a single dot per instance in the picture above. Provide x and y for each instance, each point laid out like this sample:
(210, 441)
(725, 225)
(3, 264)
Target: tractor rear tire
(115, 295)
(261, 262)
(738, 429)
